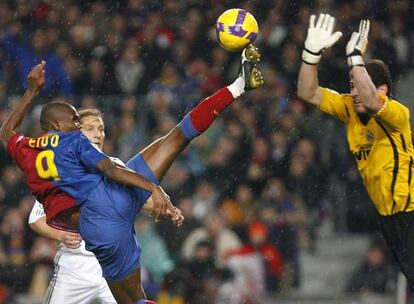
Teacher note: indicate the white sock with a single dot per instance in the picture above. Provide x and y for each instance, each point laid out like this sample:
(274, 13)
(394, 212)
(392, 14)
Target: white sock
(237, 87)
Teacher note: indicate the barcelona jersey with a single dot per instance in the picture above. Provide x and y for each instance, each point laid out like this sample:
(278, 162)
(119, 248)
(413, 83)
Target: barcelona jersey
(383, 150)
(60, 168)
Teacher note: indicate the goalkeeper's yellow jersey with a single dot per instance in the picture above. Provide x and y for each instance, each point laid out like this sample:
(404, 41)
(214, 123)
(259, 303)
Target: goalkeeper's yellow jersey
(383, 150)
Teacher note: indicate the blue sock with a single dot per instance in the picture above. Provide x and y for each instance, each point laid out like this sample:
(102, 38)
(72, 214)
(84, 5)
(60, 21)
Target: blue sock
(187, 127)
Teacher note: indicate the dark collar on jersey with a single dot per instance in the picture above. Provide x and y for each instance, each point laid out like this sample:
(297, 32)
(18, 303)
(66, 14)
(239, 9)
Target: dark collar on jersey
(364, 118)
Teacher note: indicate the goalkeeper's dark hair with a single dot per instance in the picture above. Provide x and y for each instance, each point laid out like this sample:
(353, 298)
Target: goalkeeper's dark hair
(379, 73)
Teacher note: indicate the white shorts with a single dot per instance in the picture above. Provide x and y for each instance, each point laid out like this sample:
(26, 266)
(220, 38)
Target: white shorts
(77, 280)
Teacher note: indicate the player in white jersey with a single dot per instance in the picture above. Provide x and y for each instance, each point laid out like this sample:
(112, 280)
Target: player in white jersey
(78, 275)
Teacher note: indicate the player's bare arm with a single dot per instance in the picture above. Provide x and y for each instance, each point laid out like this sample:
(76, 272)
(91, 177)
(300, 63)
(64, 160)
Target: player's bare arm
(320, 37)
(36, 81)
(177, 218)
(355, 48)
(69, 239)
(308, 84)
(127, 177)
(37, 222)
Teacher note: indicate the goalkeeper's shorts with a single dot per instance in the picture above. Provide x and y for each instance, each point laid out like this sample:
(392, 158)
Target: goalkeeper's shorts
(398, 231)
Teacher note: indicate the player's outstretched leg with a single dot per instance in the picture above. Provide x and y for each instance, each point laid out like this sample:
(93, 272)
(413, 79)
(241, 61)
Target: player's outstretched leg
(162, 153)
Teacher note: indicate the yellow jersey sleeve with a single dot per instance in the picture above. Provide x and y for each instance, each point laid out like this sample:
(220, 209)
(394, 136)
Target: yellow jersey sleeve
(395, 115)
(333, 104)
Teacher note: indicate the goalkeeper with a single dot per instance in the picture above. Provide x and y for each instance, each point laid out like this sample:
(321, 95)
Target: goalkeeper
(378, 131)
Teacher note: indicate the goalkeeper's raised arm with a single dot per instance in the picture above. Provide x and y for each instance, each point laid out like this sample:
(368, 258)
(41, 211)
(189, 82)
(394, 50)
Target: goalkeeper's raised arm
(320, 37)
(369, 94)
(378, 131)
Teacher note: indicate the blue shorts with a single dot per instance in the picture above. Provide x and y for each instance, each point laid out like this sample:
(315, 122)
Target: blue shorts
(107, 223)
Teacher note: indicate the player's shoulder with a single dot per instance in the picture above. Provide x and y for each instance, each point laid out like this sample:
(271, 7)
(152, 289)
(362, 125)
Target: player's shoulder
(71, 137)
(330, 93)
(400, 104)
(16, 141)
(394, 106)
(18, 137)
(71, 134)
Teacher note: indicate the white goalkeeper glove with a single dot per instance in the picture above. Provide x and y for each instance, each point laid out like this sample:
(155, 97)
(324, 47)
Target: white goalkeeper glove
(358, 44)
(319, 38)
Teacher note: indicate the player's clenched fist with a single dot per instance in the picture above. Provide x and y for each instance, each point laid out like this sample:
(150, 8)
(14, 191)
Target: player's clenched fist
(319, 37)
(36, 77)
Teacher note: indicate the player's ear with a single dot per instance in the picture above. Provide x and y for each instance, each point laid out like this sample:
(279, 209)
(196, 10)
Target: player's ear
(383, 89)
(56, 126)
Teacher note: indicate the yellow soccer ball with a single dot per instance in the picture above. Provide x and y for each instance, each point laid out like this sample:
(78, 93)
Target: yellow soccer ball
(235, 29)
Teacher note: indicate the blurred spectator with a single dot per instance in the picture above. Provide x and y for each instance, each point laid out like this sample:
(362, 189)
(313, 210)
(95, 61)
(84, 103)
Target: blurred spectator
(174, 237)
(285, 216)
(258, 235)
(178, 182)
(96, 80)
(154, 254)
(15, 242)
(26, 56)
(13, 185)
(249, 275)
(129, 70)
(205, 200)
(42, 255)
(306, 179)
(269, 253)
(202, 264)
(223, 239)
(374, 274)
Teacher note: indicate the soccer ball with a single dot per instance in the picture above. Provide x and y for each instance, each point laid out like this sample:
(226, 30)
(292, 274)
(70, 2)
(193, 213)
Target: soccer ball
(235, 29)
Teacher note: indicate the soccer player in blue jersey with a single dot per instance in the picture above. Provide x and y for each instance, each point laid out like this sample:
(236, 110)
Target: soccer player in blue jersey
(64, 171)
(78, 276)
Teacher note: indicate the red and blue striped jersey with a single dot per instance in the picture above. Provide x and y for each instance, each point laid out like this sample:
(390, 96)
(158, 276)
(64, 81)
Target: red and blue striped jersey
(59, 168)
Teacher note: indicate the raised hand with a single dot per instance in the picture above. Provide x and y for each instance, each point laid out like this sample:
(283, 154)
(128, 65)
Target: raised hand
(36, 80)
(358, 44)
(36, 77)
(319, 38)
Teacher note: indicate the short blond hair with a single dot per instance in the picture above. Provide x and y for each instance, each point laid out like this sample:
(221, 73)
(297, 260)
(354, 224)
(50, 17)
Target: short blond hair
(89, 112)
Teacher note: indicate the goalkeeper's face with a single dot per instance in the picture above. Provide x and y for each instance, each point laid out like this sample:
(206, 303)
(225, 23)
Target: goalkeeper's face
(358, 105)
(94, 129)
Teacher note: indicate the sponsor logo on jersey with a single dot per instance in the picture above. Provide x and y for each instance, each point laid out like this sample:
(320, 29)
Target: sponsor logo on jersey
(363, 153)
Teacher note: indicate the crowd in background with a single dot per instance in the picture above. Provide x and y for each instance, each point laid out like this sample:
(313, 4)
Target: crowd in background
(253, 188)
